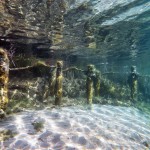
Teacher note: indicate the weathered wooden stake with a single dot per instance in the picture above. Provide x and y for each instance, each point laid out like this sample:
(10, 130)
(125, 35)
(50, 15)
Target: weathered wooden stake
(4, 72)
(58, 84)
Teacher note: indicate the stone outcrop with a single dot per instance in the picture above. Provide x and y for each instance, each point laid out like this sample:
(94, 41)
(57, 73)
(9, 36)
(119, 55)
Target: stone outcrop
(32, 21)
(76, 24)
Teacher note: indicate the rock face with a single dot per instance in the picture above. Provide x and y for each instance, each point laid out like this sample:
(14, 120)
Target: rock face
(32, 21)
(76, 24)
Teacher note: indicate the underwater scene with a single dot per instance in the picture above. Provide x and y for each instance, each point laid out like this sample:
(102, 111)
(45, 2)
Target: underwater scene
(74, 75)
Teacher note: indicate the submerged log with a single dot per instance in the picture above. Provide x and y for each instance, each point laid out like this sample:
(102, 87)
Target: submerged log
(39, 69)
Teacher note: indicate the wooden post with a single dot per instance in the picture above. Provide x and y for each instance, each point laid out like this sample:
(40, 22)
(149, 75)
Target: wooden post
(97, 83)
(4, 72)
(89, 83)
(58, 85)
(133, 82)
(52, 80)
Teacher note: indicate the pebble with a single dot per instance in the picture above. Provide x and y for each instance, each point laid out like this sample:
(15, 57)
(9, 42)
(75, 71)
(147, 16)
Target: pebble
(82, 140)
(21, 144)
(45, 134)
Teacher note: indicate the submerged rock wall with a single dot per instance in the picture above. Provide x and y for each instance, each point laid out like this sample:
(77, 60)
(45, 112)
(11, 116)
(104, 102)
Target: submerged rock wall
(32, 21)
(75, 25)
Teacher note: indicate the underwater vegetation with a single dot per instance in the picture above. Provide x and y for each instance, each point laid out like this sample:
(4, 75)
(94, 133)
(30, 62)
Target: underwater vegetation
(39, 84)
(34, 88)
(6, 134)
(38, 124)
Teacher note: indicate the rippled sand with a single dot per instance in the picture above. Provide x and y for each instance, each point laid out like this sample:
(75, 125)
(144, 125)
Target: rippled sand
(78, 128)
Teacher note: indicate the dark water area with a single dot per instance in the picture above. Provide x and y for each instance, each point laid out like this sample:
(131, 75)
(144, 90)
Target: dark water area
(36, 36)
